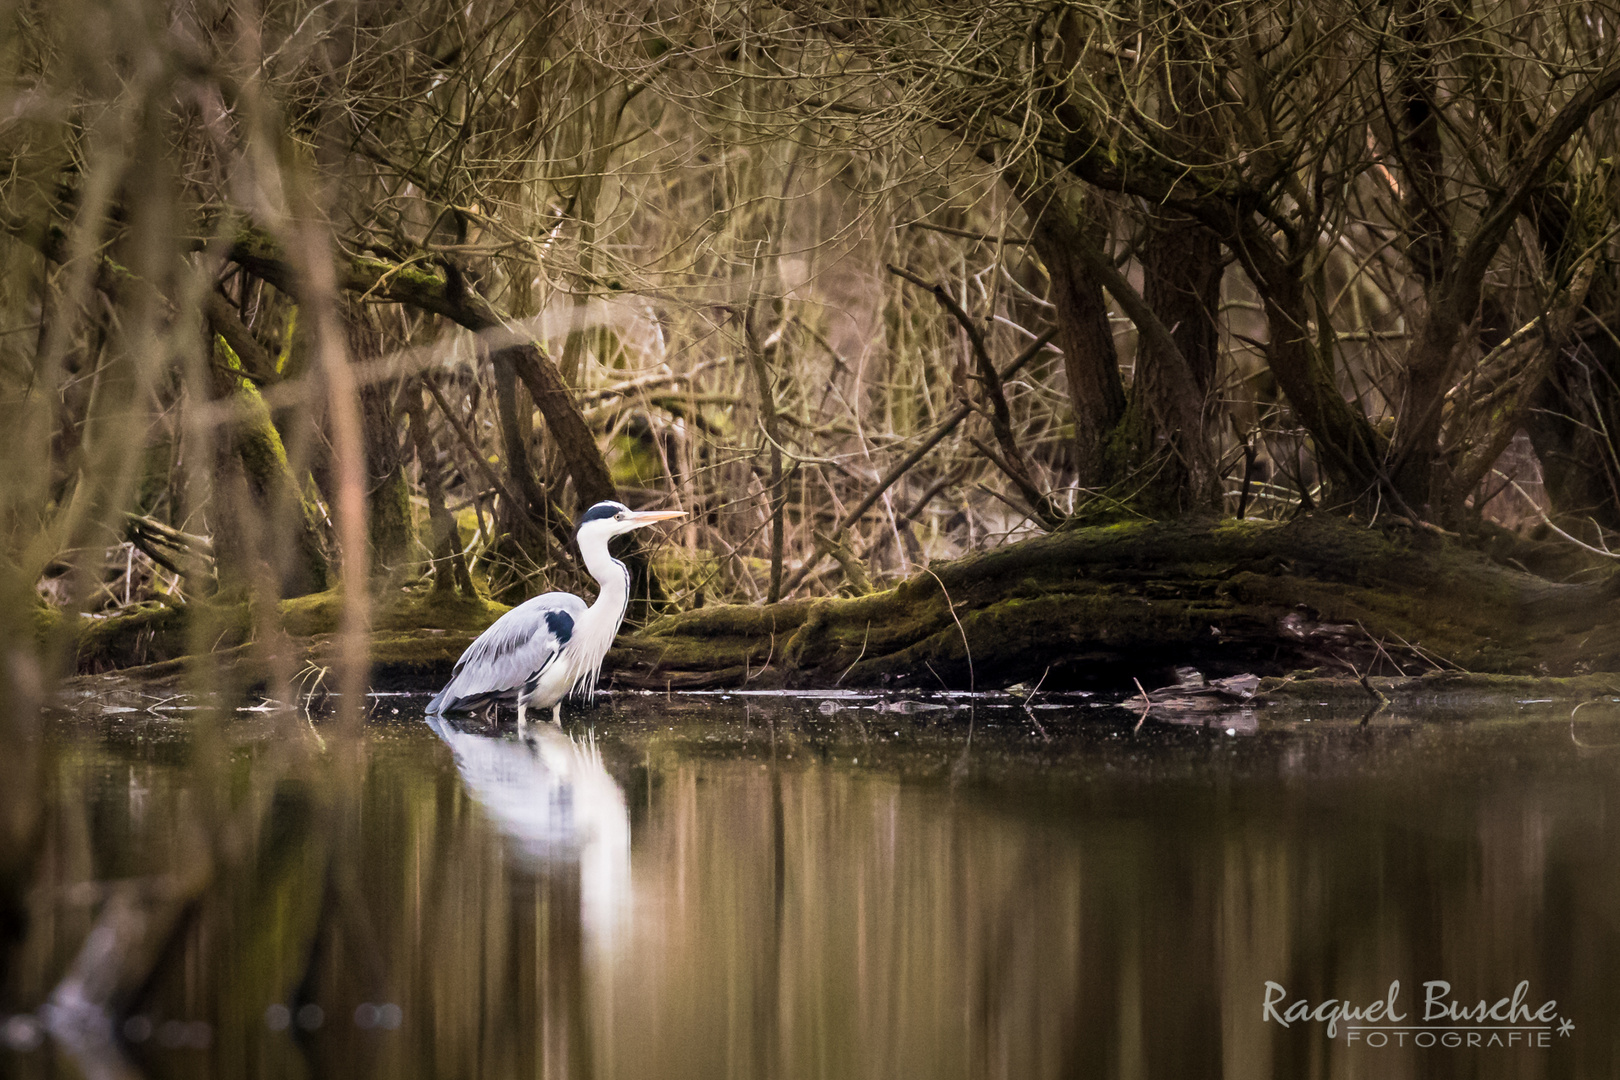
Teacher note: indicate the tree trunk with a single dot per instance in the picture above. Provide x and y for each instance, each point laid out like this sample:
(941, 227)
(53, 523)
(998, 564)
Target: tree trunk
(449, 566)
(1182, 269)
(1348, 448)
(1090, 360)
(388, 495)
(597, 135)
(1574, 425)
(583, 458)
(1455, 298)
(1181, 265)
(515, 429)
(290, 520)
(760, 363)
(1152, 445)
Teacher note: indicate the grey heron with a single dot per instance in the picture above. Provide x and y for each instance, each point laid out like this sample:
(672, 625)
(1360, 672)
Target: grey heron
(552, 646)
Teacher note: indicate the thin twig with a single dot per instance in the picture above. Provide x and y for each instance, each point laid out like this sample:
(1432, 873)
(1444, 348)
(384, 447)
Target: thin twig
(857, 659)
(949, 606)
(1029, 711)
(1016, 465)
(467, 442)
(890, 478)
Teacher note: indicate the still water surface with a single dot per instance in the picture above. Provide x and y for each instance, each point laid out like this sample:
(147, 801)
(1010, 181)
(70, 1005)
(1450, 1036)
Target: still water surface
(726, 886)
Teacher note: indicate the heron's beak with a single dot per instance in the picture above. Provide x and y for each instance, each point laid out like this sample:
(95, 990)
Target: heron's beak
(639, 518)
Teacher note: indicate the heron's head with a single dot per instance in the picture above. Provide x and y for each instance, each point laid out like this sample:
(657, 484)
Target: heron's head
(609, 519)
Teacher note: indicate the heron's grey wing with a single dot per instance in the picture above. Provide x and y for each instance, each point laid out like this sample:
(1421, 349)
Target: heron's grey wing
(508, 654)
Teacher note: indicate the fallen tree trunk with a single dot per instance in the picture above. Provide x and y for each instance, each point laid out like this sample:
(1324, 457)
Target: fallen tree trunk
(1101, 606)
(1081, 608)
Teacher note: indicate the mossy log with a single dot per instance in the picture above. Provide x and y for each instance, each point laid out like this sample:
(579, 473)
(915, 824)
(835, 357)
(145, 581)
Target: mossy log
(1097, 607)
(413, 631)
(1088, 607)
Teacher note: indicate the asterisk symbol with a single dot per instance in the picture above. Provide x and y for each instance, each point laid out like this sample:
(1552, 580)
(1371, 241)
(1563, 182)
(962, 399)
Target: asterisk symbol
(1565, 1027)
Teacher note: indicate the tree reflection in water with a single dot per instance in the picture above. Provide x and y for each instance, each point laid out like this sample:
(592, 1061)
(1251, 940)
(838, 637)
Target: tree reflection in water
(854, 896)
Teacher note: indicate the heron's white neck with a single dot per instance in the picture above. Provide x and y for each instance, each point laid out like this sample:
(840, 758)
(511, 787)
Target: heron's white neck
(597, 628)
(614, 579)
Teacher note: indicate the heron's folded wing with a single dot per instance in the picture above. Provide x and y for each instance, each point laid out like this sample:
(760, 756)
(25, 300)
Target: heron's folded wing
(500, 661)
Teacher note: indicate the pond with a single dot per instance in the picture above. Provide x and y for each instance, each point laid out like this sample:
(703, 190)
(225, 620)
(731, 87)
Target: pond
(728, 885)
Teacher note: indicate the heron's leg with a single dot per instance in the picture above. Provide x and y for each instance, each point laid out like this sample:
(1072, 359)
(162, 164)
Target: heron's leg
(523, 721)
(556, 714)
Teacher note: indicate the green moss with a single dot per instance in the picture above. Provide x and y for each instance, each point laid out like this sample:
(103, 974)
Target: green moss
(404, 623)
(46, 620)
(401, 274)
(682, 572)
(317, 613)
(733, 620)
(634, 461)
(401, 610)
(264, 459)
(420, 651)
(152, 632)
(290, 361)
(389, 520)
(257, 440)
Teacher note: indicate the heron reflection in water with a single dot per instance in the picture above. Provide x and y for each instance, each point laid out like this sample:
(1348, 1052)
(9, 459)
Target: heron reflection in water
(556, 804)
(551, 647)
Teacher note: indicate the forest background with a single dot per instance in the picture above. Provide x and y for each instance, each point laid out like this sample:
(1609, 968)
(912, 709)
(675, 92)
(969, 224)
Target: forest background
(368, 300)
